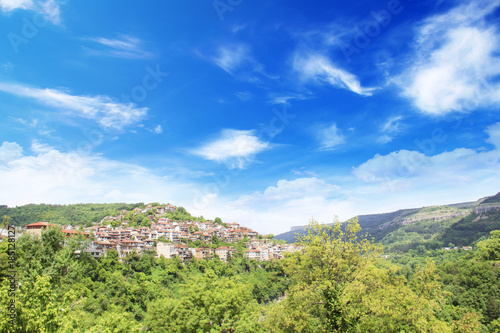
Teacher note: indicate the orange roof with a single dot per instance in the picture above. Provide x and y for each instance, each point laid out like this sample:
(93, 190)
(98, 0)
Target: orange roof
(40, 224)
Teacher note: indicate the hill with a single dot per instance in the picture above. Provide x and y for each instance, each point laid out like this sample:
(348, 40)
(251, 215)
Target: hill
(460, 224)
(63, 214)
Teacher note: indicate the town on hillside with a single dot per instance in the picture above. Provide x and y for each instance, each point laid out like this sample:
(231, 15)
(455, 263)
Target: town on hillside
(170, 238)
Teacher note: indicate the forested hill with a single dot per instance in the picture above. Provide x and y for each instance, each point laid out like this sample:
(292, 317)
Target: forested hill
(460, 224)
(63, 214)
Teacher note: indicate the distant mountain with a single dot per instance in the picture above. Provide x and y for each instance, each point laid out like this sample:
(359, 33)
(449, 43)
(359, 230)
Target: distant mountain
(367, 222)
(458, 224)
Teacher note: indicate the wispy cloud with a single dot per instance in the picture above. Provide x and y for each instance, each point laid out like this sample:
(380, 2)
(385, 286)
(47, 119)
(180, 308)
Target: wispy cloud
(303, 171)
(237, 28)
(158, 129)
(230, 58)
(124, 46)
(285, 98)
(27, 122)
(439, 81)
(392, 125)
(103, 109)
(233, 147)
(319, 69)
(384, 139)
(244, 95)
(49, 8)
(389, 129)
(237, 60)
(329, 137)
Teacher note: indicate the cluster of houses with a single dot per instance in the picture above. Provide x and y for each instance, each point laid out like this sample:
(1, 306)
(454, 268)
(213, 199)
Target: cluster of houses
(168, 238)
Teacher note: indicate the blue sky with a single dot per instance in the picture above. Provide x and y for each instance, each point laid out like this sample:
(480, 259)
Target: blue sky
(268, 113)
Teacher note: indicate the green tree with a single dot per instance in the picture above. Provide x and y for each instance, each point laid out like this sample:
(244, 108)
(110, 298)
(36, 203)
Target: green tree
(490, 249)
(4, 259)
(6, 221)
(207, 303)
(339, 285)
(36, 307)
(146, 222)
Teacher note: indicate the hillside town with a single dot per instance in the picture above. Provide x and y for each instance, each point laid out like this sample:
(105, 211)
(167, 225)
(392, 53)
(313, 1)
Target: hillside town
(170, 238)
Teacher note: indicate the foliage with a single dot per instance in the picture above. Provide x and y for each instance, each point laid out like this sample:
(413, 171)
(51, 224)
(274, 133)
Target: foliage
(471, 228)
(339, 285)
(63, 214)
(181, 214)
(490, 249)
(207, 303)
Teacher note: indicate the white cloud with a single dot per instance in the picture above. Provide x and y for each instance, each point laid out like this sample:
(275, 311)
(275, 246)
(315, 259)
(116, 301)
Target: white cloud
(329, 137)
(287, 203)
(103, 109)
(39, 147)
(52, 176)
(439, 81)
(414, 168)
(158, 129)
(230, 58)
(303, 171)
(394, 165)
(10, 151)
(244, 95)
(49, 8)
(237, 60)
(384, 139)
(285, 99)
(9, 5)
(123, 47)
(315, 67)
(237, 28)
(286, 191)
(234, 147)
(27, 122)
(392, 125)
(493, 132)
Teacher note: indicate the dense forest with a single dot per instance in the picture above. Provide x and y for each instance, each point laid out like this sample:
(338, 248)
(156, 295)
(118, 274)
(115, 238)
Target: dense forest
(337, 282)
(77, 214)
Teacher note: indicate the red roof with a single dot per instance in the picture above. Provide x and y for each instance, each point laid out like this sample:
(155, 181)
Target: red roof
(39, 224)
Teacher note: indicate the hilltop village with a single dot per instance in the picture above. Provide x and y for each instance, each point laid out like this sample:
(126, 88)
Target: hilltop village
(161, 231)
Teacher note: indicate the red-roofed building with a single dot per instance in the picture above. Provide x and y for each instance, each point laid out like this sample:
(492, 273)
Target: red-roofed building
(36, 228)
(224, 252)
(69, 233)
(253, 254)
